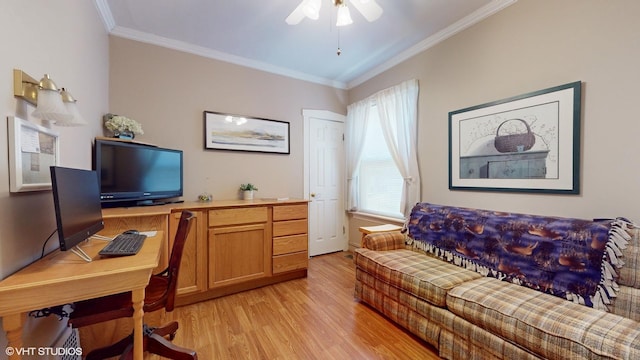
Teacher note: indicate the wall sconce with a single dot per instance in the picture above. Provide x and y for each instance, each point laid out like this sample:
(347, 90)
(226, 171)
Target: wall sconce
(51, 104)
(70, 105)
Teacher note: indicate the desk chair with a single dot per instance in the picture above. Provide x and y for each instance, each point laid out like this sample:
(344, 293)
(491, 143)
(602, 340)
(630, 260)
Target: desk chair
(159, 294)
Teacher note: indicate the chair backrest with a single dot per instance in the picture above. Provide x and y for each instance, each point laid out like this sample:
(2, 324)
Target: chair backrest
(161, 290)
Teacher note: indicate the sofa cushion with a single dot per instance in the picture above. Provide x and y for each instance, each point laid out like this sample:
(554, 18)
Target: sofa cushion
(630, 271)
(462, 340)
(545, 324)
(413, 314)
(426, 277)
(626, 303)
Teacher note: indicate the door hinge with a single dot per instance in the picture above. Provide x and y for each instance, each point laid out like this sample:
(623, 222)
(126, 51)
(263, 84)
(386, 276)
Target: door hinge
(344, 231)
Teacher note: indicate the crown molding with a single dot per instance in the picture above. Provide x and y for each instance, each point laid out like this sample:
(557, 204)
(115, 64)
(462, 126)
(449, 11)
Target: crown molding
(105, 14)
(221, 56)
(460, 25)
(475, 17)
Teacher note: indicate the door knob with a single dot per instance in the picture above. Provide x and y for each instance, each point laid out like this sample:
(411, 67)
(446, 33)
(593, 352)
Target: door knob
(313, 194)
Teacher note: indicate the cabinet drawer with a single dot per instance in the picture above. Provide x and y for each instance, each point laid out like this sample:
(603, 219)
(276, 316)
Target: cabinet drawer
(283, 263)
(248, 215)
(290, 227)
(290, 212)
(289, 244)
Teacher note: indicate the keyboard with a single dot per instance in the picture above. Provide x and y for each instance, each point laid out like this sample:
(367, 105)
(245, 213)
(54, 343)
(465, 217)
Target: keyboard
(123, 245)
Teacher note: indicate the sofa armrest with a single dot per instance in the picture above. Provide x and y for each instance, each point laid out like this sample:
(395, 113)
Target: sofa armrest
(384, 241)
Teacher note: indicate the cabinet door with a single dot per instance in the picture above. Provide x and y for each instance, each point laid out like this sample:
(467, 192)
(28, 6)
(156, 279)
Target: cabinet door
(239, 253)
(192, 278)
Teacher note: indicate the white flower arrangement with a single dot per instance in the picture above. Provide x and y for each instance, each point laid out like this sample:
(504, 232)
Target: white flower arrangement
(120, 124)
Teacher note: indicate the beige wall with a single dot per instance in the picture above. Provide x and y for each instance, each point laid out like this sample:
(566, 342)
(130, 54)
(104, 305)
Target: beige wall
(67, 40)
(167, 91)
(533, 45)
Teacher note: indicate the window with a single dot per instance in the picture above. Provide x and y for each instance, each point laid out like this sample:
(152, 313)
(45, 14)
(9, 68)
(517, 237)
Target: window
(375, 185)
(380, 182)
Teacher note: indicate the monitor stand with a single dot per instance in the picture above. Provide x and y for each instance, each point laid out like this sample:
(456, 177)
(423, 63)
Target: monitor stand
(81, 254)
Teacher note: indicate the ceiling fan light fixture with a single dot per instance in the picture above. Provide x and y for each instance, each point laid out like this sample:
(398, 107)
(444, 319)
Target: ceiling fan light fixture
(344, 16)
(312, 9)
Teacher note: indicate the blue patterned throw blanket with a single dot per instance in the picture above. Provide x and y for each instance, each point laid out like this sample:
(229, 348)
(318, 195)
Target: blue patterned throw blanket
(570, 258)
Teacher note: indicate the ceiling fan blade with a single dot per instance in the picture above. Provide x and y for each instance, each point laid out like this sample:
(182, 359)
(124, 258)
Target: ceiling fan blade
(368, 8)
(297, 14)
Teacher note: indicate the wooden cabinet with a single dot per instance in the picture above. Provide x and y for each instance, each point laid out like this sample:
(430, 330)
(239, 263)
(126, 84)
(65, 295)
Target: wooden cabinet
(239, 245)
(233, 245)
(192, 278)
(290, 239)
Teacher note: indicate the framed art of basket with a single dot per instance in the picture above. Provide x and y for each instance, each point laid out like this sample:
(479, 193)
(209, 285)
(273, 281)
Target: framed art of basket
(526, 143)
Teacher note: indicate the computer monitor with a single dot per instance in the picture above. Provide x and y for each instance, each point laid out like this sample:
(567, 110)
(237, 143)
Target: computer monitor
(76, 198)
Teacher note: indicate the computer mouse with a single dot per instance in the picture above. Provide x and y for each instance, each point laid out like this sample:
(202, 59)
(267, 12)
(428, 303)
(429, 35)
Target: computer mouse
(134, 232)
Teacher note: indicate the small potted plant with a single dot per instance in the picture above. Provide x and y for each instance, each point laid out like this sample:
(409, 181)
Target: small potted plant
(247, 191)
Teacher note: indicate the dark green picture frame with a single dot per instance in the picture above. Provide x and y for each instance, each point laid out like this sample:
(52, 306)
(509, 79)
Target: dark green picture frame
(526, 143)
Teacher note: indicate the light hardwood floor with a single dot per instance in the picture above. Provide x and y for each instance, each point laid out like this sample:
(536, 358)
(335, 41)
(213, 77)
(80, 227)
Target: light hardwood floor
(312, 318)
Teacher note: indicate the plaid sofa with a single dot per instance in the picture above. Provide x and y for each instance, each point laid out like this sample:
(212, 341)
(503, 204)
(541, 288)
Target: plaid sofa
(468, 316)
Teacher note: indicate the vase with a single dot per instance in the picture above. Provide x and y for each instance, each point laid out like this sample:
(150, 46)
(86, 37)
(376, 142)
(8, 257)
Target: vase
(125, 135)
(247, 194)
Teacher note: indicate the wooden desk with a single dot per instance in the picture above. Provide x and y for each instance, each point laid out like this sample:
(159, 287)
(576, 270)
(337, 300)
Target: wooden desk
(62, 277)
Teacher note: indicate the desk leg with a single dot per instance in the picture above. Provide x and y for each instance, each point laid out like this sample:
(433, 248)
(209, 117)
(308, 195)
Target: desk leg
(138, 314)
(12, 325)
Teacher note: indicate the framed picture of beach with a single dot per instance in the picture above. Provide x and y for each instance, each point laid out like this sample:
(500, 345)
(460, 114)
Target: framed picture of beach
(244, 133)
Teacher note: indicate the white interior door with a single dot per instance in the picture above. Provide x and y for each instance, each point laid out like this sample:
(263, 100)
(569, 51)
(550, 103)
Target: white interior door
(326, 183)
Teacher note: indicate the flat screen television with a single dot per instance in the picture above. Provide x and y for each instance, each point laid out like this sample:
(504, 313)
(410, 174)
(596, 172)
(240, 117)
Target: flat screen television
(133, 174)
(76, 199)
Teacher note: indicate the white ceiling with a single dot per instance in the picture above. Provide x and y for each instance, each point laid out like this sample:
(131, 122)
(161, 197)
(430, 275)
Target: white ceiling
(253, 33)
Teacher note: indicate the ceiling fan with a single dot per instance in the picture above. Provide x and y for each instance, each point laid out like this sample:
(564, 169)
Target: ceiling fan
(311, 9)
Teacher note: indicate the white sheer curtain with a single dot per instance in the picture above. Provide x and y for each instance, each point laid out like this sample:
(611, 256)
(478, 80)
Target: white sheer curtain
(398, 111)
(357, 119)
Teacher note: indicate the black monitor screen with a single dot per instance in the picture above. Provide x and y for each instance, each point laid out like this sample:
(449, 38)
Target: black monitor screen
(134, 172)
(76, 198)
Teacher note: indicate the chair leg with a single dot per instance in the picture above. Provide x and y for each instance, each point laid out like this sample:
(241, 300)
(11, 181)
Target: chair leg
(158, 345)
(168, 329)
(111, 350)
(154, 342)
